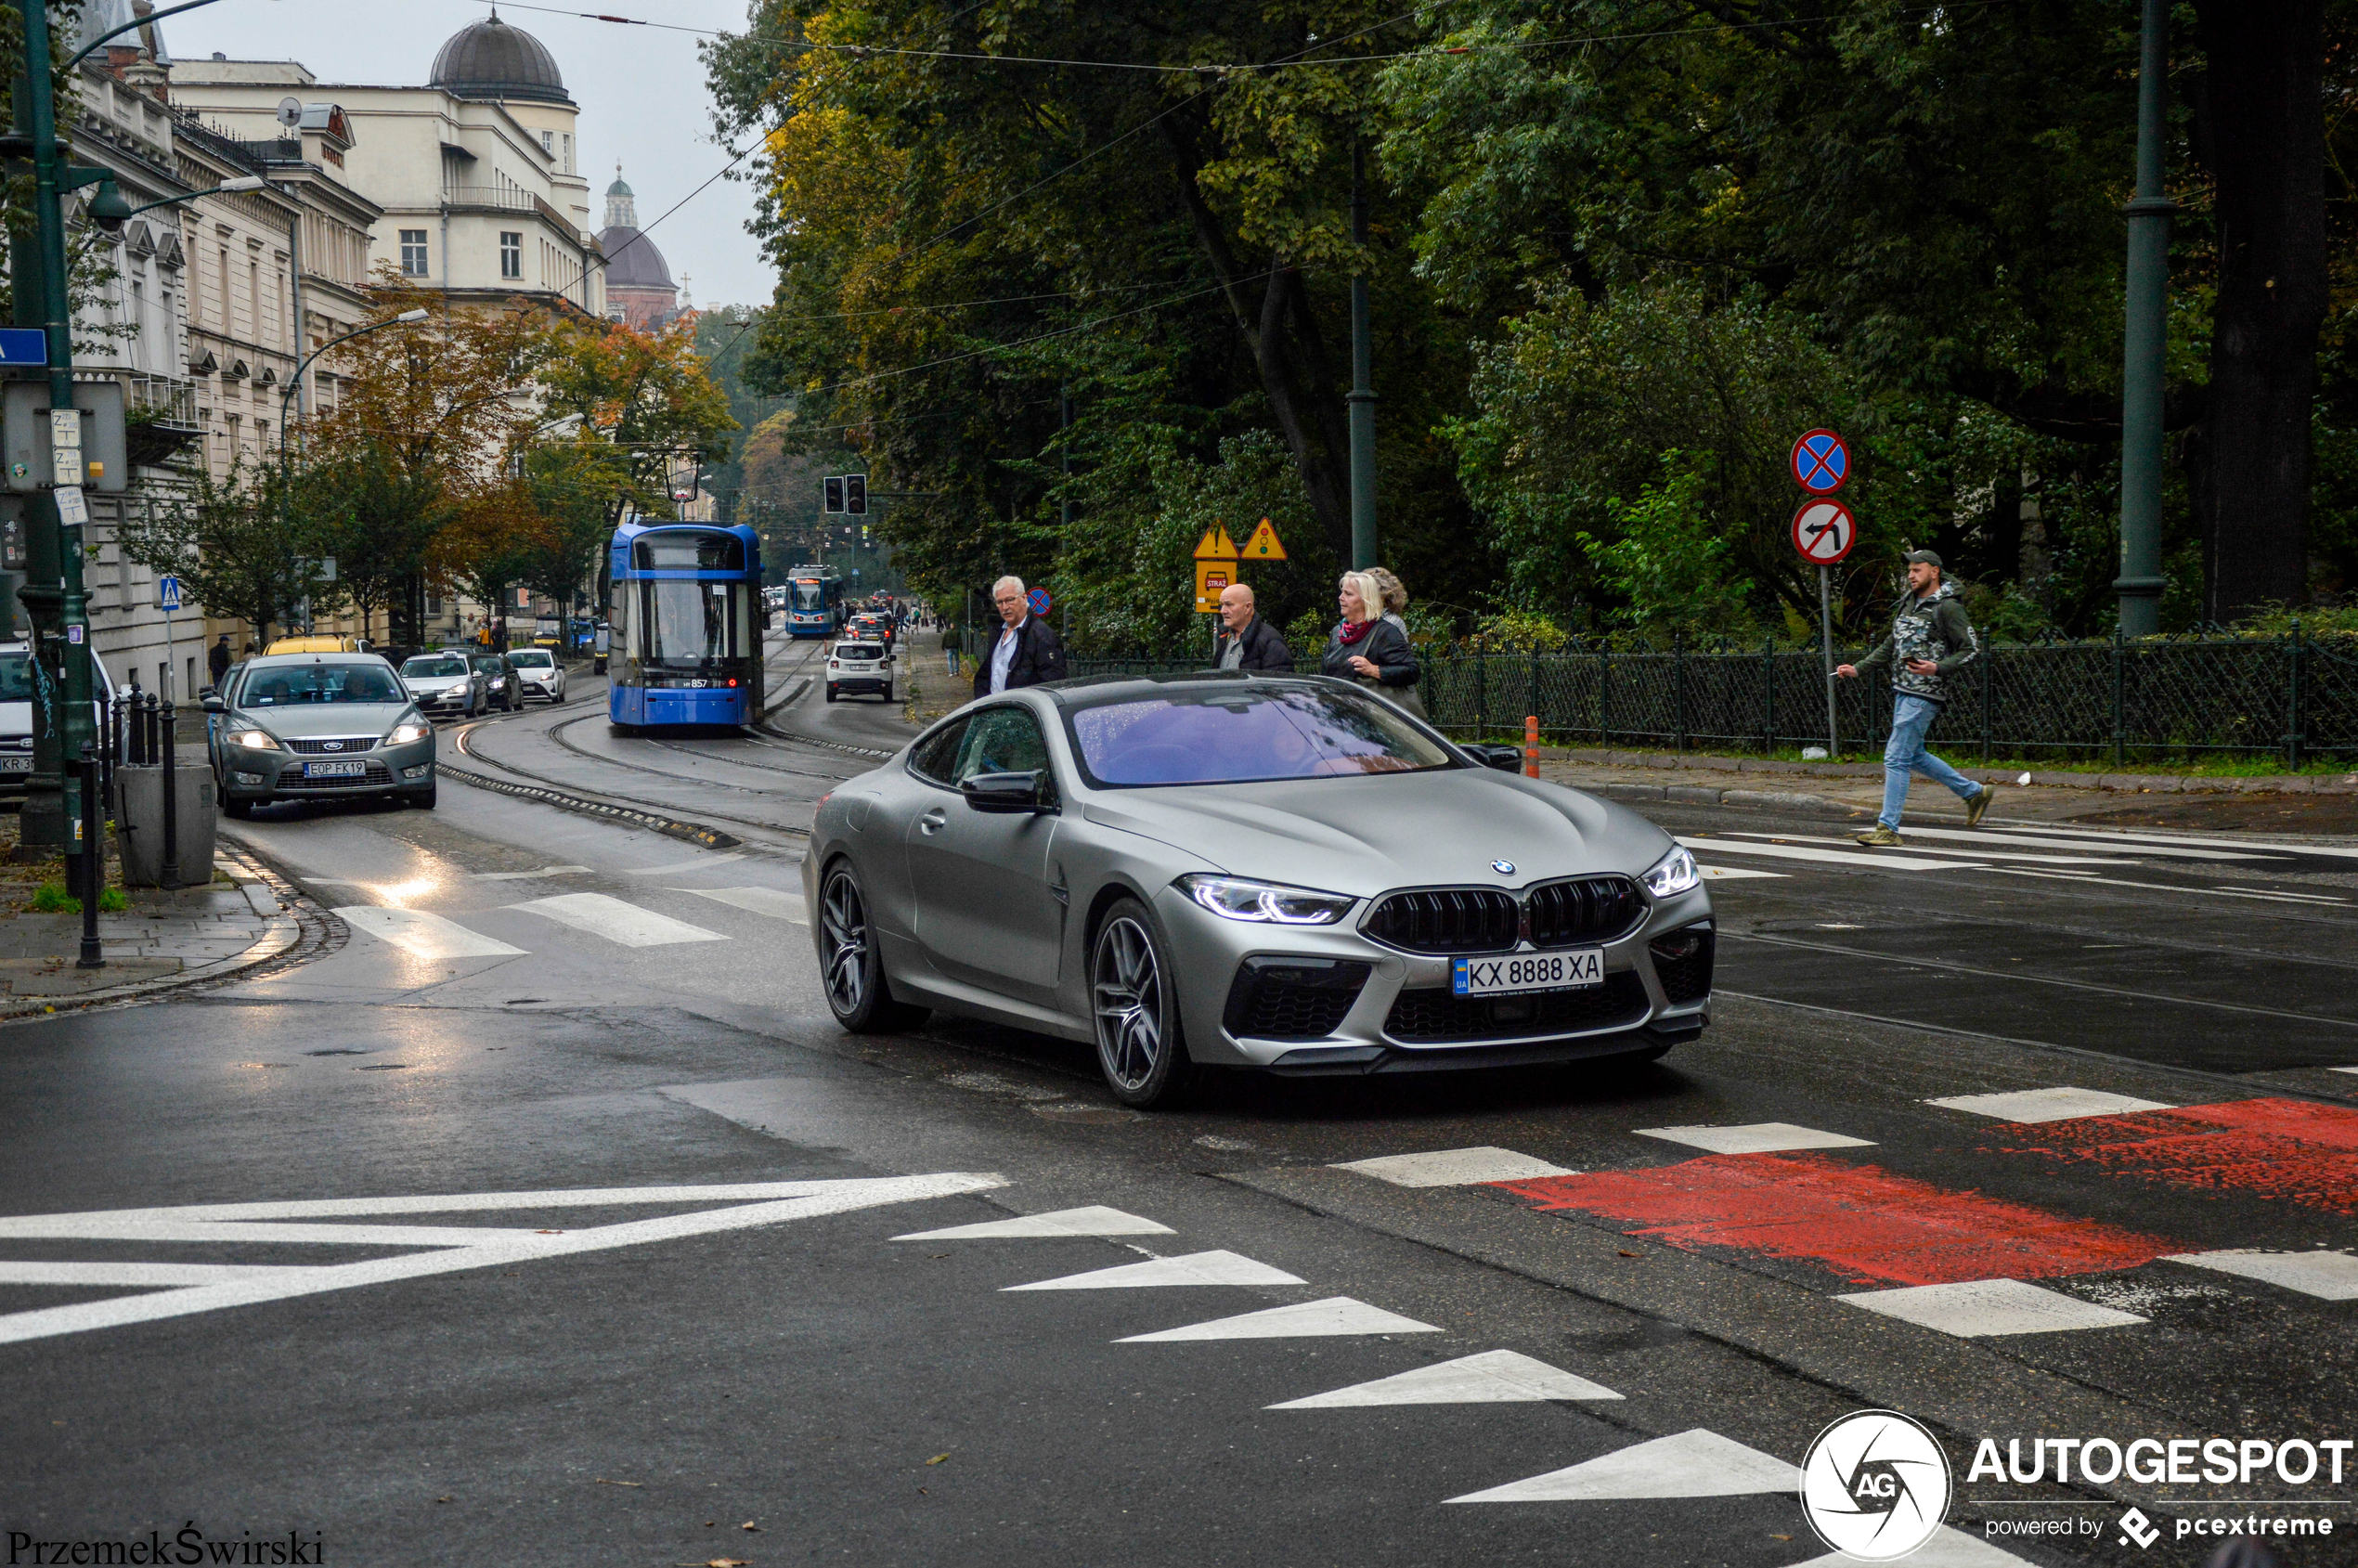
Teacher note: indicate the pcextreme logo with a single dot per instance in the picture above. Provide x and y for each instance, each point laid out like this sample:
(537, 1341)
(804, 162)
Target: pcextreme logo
(1875, 1485)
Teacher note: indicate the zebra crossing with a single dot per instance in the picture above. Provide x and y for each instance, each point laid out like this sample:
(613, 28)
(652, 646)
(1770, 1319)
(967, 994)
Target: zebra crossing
(2221, 868)
(428, 934)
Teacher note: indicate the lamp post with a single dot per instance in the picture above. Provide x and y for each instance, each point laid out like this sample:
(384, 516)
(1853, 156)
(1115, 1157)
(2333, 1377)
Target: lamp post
(1362, 400)
(2144, 339)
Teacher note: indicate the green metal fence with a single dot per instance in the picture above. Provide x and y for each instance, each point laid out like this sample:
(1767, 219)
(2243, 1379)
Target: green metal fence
(2294, 696)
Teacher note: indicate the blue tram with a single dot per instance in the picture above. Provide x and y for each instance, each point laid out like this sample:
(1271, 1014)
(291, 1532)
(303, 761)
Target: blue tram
(687, 622)
(814, 602)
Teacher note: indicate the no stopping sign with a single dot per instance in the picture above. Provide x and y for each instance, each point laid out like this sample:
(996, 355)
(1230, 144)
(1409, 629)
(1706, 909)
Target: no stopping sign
(1824, 531)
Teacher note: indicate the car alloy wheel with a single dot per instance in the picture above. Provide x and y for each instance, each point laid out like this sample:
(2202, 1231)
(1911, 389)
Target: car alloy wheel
(1139, 1048)
(857, 991)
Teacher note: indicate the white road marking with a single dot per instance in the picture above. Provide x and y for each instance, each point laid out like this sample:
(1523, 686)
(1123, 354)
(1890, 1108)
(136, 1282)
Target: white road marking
(530, 876)
(131, 1275)
(1973, 1309)
(2141, 846)
(2062, 1104)
(771, 901)
(1757, 1137)
(617, 921)
(1454, 1167)
(2178, 889)
(1336, 1314)
(1194, 1268)
(1927, 848)
(1091, 1221)
(1696, 1463)
(1871, 860)
(2328, 1276)
(1733, 872)
(1494, 1377)
(778, 1201)
(2265, 847)
(700, 863)
(1950, 1548)
(2342, 1070)
(2281, 893)
(427, 935)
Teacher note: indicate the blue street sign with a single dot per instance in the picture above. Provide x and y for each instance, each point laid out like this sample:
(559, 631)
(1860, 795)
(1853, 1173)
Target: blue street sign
(167, 593)
(23, 347)
(1039, 601)
(1820, 462)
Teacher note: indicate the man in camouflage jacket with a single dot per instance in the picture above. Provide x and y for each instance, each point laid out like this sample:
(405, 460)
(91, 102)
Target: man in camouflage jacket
(1931, 640)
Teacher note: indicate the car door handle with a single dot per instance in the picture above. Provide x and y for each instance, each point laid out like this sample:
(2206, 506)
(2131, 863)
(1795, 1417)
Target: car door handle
(933, 821)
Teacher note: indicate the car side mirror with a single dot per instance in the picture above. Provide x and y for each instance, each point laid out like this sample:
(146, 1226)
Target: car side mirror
(211, 702)
(1506, 758)
(1009, 794)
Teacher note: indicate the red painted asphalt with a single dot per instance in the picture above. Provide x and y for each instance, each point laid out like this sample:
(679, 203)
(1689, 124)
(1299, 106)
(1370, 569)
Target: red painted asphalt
(1866, 1225)
(2294, 1151)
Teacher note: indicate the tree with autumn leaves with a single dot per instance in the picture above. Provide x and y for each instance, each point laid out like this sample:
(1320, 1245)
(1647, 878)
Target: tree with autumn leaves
(471, 451)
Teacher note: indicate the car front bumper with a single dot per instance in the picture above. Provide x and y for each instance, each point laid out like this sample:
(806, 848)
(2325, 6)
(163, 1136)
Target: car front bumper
(1318, 999)
(273, 775)
(441, 704)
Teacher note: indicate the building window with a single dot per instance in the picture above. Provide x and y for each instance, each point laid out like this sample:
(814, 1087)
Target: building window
(567, 141)
(511, 253)
(547, 141)
(413, 252)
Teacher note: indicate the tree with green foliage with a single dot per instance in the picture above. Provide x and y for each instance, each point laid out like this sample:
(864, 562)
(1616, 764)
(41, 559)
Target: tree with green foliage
(240, 545)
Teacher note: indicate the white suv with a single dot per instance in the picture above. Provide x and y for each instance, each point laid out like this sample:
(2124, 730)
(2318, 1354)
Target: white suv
(859, 666)
(540, 673)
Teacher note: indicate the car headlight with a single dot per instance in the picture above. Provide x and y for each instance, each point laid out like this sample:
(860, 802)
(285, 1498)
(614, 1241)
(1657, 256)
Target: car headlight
(1268, 902)
(404, 733)
(253, 740)
(1675, 872)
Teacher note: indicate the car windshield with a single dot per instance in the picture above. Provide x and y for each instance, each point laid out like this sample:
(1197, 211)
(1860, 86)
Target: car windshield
(434, 667)
(298, 684)
(16, 677)
(1232, 735)
(530, 659)
(858, 650)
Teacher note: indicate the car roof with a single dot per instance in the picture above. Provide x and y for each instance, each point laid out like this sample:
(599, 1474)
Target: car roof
(338, 657)
(1095, 687)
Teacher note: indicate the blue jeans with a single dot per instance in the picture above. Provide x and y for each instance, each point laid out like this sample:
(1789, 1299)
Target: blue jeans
(1905, 754)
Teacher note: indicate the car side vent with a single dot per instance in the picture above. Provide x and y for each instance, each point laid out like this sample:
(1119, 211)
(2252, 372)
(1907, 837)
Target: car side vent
(1447, 920)
(1591, 909)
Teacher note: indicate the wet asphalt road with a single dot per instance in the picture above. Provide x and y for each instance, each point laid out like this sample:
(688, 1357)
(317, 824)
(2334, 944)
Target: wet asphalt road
(535, 1003)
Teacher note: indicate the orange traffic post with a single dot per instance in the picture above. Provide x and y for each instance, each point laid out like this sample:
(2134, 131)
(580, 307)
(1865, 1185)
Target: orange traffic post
(1531, 745)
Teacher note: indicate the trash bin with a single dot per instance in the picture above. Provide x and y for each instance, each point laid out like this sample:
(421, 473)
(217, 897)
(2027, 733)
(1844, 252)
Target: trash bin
(140, 823)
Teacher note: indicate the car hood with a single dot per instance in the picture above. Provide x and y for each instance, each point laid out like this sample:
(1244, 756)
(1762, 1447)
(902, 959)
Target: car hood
(309, 719)
(434, 682)
(1363, 835)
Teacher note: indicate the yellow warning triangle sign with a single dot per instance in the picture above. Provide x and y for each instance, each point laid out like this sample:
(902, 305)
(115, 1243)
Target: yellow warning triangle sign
(1263, 545)
(1216, 545)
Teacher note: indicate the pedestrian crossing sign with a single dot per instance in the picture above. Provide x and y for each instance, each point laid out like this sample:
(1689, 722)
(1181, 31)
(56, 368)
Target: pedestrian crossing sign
(1263, 545)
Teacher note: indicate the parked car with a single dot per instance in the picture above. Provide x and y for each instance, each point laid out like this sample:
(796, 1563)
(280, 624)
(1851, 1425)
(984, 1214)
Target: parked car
(318, 727)
(539, 674)
(862, 665)
(444, 685)
(16, 711)
(500, 687)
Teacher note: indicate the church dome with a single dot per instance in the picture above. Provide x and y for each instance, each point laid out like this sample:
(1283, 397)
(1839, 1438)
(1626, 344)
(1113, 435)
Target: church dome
(490, 59)
(632, 261)
(618, 188)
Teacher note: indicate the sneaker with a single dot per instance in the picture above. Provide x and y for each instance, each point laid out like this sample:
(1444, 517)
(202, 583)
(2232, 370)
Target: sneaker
(1979, 806)
(1879, 836)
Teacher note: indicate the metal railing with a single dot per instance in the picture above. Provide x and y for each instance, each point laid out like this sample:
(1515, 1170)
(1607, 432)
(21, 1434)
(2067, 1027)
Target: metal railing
(497, 197)
(2294, 696)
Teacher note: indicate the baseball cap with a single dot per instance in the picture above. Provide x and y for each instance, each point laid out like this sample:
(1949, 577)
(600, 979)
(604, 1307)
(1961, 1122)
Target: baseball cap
(1923, 558)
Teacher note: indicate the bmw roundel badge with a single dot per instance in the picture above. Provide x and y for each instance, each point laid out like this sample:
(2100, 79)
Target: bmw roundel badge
(1504, 868)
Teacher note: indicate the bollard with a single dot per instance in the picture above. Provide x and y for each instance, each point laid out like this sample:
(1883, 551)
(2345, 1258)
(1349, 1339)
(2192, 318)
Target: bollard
(171, 877)
(94, 864)
(1531, 745)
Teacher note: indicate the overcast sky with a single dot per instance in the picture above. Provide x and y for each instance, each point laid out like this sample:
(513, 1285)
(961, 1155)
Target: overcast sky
(641, 91)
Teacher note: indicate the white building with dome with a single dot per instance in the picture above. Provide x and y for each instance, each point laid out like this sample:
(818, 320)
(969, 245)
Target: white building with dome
(477, 171)
(639, 291)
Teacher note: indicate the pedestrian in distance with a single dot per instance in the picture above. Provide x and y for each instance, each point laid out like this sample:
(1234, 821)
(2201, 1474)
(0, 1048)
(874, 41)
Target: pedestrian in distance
(1396, 598)
(217, 657)
(1930, 641)
(1247, 641)
(1366, 648)
(1027, 650)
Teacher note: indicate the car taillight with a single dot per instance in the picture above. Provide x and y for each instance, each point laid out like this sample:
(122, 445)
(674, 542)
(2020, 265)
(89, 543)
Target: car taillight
(733, 680)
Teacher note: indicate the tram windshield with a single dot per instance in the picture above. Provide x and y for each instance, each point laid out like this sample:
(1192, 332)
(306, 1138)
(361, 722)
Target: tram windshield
(691, 626)
(809, 595)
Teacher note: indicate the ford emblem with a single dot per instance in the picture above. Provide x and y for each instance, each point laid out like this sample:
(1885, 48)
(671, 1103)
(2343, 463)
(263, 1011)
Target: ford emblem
(1504, 868)
(338, 745)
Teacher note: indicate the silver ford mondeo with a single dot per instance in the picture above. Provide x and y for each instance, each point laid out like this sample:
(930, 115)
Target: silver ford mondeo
(1230, 870)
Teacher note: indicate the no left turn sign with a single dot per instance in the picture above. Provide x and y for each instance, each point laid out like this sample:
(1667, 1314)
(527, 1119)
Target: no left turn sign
(1824, 531)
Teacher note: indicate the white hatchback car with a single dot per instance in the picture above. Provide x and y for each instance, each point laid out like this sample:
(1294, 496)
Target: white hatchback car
(541, 674)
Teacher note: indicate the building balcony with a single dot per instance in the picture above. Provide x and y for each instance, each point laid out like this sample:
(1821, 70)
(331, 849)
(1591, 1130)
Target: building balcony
(159, 413)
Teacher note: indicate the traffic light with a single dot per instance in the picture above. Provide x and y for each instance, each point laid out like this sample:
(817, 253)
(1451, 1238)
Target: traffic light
(834, 486)
(855, 494)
